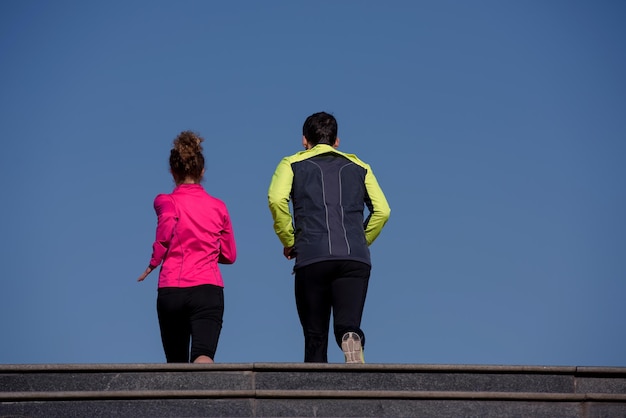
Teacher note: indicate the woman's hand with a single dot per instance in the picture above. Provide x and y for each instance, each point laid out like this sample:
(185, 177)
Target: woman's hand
(145, 273)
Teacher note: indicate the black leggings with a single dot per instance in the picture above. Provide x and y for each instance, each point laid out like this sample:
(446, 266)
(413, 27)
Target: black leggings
(190, 313)
(340, 286)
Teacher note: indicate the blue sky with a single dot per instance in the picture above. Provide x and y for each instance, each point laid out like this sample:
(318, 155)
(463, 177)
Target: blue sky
(497, 130)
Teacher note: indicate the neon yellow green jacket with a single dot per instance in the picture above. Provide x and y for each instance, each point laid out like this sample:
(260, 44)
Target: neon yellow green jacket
(328, 190)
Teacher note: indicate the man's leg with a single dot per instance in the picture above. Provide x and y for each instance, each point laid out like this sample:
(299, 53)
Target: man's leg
(313, 301)
(349, 290)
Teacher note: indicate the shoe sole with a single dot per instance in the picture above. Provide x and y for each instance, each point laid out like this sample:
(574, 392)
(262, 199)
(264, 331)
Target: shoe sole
(352, 349)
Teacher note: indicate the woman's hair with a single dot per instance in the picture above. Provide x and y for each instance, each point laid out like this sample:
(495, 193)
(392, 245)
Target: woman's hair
(186, 159)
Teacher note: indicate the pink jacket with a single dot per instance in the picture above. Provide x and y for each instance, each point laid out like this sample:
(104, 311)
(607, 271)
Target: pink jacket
(193, 235)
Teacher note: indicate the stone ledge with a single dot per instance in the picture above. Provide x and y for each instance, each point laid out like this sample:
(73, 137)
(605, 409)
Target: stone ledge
(309, 394)
(377, 367)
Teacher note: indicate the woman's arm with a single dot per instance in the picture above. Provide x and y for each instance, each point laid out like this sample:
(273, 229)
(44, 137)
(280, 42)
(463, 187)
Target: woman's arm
(228, 249)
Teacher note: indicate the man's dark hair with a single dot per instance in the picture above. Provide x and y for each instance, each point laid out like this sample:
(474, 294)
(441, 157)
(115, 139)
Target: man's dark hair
(320, 128)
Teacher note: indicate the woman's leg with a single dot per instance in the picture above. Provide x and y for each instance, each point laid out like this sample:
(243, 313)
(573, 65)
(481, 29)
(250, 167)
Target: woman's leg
(206, 305)
(174, 324)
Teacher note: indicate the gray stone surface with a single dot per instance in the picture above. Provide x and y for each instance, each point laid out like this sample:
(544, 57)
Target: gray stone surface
(477, 382)
(415, 408)
(310, 408)
(132, 408)
(310, 390)
(601, 384)
(107, 381)
(604, 410)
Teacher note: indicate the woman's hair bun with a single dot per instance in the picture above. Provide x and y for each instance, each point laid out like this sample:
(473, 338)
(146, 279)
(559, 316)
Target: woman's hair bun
(186, 159)
(188, 144)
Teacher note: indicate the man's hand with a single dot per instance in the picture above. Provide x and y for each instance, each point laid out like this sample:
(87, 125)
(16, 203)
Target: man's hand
(289, 253)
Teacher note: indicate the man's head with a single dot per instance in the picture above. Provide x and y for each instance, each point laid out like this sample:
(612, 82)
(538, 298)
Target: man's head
(320, 128)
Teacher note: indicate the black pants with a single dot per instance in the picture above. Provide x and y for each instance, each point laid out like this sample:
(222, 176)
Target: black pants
(340, 286)
(190, 313)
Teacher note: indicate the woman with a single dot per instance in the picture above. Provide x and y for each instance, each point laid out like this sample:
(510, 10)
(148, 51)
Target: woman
(193, 235)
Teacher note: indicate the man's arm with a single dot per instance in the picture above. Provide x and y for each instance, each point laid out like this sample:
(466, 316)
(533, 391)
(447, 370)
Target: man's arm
(378, 207)
(278, 199)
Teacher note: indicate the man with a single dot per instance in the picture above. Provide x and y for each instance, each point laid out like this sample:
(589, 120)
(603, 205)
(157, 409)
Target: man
(328, 235)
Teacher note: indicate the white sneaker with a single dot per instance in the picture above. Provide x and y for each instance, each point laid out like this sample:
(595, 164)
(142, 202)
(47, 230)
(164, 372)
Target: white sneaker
(352, 348)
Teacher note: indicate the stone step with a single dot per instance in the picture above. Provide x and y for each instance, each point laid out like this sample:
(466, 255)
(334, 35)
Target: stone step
(286, 389)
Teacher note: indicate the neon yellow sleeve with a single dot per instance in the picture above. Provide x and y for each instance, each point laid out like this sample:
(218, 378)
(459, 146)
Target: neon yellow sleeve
(380, 210)
(278, 199)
